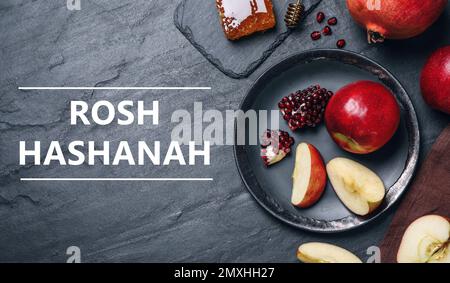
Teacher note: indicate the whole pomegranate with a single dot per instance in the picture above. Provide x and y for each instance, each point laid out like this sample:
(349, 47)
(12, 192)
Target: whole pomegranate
(435, 80)
(395, 19)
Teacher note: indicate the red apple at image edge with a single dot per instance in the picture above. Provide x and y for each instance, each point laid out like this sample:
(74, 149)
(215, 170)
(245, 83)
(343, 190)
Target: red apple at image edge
(362, 117)
(435, 80)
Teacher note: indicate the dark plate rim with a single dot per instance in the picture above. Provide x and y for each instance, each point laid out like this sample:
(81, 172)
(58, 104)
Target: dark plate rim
(394, 192)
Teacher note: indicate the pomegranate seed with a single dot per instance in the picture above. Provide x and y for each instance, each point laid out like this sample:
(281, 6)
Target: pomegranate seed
(309, 108)
(320, 17)
(327, 31)
(341, 43)
(275, 146)
(332, 21)
(316, 35)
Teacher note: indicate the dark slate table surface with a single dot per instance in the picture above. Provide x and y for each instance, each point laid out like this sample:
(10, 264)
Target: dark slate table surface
(134, 43)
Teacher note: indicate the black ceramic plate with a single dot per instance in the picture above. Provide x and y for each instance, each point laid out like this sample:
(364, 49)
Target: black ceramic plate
(331, 68)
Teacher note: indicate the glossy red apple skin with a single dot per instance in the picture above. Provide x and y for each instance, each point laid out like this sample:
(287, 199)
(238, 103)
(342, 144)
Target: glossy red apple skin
(362, 117)
(435, 80)
(317, 181)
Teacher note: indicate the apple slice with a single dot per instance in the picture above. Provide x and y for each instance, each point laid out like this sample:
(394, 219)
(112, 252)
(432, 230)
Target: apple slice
(325, 253)
(360, 189)
(309, 176)
(426, 240)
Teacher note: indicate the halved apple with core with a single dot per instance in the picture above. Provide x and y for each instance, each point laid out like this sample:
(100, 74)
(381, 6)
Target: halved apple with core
(325, 253)
(309, 176)
(426, 240)
(360, 189)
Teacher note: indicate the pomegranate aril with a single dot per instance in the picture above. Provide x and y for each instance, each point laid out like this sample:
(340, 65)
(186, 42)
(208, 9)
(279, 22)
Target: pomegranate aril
(320, 17)
(332, 21)
(341, 43)
(309, 109)
(275, 146)
(327, 31)
(316, 35)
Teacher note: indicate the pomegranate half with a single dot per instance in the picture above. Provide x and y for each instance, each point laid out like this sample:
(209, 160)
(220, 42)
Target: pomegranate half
(395, 19)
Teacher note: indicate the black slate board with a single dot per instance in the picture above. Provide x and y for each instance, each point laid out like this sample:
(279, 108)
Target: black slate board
(198, 21)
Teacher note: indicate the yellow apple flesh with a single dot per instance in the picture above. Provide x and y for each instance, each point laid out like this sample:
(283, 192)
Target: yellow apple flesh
(309, 176)
(426, 240)
(359, 188)
(325, 253)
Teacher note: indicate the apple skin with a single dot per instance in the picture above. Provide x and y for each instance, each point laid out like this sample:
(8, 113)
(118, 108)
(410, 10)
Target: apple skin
(435, 80)
(362, 117)
(317, 179)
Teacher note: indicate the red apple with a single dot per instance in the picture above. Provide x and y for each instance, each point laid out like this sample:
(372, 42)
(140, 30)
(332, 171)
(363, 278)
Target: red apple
(309, 176)
(362, 117)
(435, 80)
(359, 188)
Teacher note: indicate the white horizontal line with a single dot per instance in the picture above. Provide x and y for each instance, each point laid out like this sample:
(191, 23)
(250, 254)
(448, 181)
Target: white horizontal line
(117, 88)
(116, 179)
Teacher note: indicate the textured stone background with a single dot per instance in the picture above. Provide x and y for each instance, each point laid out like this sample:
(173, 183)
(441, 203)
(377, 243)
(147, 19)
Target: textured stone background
(134, 43)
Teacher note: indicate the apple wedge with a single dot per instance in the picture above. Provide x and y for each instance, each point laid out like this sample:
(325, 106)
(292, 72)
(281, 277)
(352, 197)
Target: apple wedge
(325, 253)
(309, 176)
(426, 240)
(360, 189)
